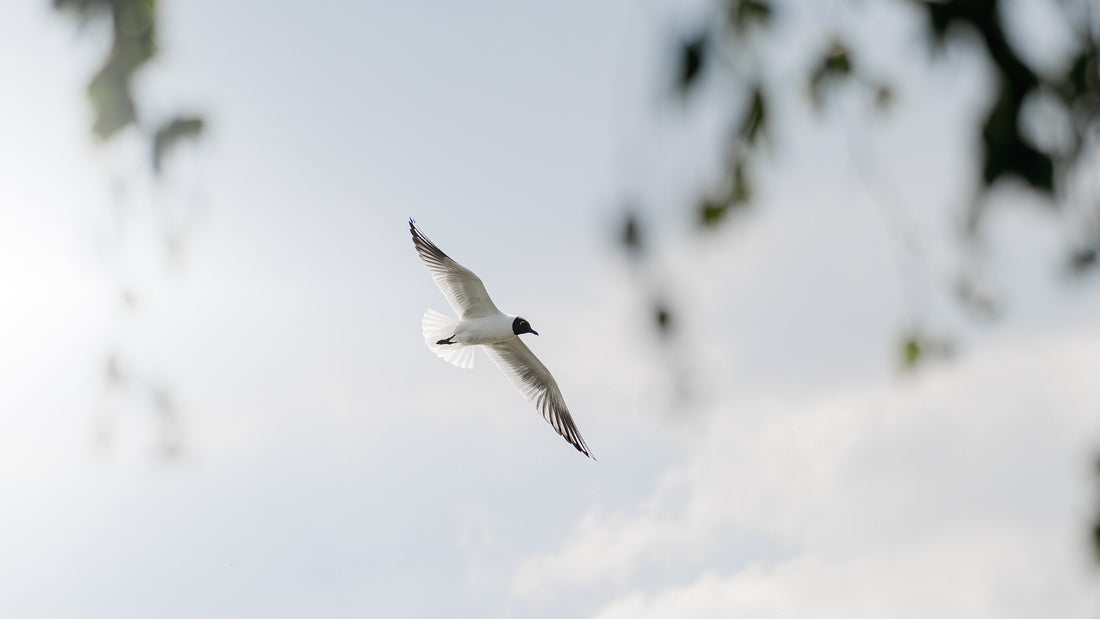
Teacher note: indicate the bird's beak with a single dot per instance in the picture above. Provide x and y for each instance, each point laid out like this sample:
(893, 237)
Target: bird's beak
(535, 332)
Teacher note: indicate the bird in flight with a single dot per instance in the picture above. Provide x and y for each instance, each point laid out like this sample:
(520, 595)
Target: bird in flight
(480, 323)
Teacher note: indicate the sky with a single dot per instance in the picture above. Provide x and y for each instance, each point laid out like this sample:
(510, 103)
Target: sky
(330, 465)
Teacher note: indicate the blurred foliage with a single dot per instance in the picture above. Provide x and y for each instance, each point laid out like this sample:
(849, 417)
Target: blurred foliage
(662, 317)
(734, 192)
(743, 34)
(133, 33)
(918, 347)
(1005, 151)
(745, 15)
(912, 352)
(755, 119)
(833, 67)
(631, 238)
(133, 44)
(172, 132)
(110, 91)
(692, 55)
(1083, 259)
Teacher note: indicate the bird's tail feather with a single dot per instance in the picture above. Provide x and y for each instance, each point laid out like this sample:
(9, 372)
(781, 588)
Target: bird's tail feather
(438, 327)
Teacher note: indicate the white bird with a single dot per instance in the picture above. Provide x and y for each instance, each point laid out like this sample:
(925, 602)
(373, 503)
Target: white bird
(480, 323)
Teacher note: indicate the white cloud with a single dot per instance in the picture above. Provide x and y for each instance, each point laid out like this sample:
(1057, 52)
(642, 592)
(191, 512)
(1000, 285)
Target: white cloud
(887, 498)
(1001, 572)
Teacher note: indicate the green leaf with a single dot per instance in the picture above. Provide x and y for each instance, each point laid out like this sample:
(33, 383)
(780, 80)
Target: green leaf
(662, 317)
(735, 193)
(169, 135)
(692, 60)
(911, 352)
(755, 117)
(133, 44)
(1005, 151)
(112, 102)
(746, 14)
(833, 67)
(711, 212)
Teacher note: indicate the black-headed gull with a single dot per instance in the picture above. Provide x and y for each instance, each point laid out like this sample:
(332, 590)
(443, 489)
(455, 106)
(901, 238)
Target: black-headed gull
(480, 323)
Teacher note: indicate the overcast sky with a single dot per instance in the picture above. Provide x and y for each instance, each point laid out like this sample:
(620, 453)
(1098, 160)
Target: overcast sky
(332, 466)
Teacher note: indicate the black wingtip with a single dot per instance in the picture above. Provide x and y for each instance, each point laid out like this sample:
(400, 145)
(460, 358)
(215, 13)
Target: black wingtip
(415, 230)
(579, 444)
(417, 235)
(427, 249)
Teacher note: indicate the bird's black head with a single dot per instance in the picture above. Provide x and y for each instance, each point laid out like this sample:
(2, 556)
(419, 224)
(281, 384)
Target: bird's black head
(520, 325)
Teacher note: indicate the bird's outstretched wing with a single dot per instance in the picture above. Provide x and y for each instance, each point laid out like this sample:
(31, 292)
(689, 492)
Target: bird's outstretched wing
(463, 289)
(534, 381)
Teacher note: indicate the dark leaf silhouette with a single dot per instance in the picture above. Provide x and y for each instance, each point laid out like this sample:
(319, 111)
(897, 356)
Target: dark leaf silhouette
(692, 59)
(735, 194)
(662, 317)
(1005, 151)
(169, 134)
(1083, 259)
(631, 236)
(711, 212)
(1081, 78)
(755, 118)
(833, 67)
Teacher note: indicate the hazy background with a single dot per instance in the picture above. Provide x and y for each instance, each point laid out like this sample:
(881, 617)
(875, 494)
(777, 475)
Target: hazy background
(216, 401)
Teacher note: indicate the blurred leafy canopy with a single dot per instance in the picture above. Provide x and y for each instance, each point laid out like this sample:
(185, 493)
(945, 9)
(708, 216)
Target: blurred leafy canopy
(133, 45)
(133, 36)
(743, 33)
(1006, 152)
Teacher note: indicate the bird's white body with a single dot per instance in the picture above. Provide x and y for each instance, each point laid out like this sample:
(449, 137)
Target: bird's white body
(484, 329)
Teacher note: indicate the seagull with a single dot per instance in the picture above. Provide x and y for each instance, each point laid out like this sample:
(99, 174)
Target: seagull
(480, 323)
